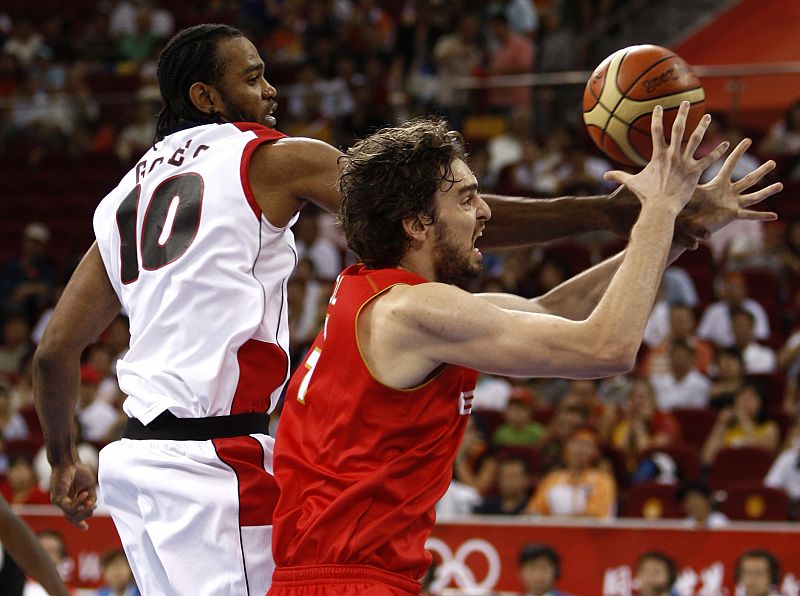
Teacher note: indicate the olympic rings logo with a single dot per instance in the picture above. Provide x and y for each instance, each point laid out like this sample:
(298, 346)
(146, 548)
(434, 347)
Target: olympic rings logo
(454, 565)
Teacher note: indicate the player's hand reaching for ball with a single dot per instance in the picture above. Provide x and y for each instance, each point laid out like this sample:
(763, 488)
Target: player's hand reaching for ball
(669, 179)
(717, 203)
(73, 489)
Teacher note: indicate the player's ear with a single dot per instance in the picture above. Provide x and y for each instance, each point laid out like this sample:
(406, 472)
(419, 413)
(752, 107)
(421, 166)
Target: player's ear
(204, 97)
(414, 228)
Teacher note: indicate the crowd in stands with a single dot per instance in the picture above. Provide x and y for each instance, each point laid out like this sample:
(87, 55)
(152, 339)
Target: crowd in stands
(719, 368)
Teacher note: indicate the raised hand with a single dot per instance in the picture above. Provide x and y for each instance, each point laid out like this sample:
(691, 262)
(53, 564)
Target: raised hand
(672, 173)
(721, 201)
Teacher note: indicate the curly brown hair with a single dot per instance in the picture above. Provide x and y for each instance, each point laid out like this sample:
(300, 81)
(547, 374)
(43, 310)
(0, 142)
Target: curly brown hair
(389, 176)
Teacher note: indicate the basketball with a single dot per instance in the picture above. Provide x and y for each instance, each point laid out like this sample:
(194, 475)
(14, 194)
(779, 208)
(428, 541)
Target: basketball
(623, 91)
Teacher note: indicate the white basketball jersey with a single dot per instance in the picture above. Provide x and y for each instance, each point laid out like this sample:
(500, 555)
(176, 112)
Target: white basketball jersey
(201, 274)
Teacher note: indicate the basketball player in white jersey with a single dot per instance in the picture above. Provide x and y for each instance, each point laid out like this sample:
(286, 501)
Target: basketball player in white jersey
(195, 246)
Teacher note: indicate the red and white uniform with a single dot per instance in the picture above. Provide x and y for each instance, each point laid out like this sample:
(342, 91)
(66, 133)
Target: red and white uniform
(361, 465)
(202, 275)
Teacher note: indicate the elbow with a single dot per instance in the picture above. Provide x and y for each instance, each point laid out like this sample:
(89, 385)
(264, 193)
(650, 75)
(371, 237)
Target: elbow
(616, 357)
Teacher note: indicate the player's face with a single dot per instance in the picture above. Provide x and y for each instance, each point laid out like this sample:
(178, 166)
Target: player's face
(754, 576)
(245, 94)
(462, 217)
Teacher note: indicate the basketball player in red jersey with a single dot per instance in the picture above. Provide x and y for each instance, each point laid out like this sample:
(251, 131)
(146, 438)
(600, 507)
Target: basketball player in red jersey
(195, 245)
(374, 415)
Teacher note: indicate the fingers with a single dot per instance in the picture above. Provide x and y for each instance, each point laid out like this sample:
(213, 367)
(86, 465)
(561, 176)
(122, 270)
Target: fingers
(718, 152)
(757, 215)
(697, 137)
(753, 177)
(618, 176)
(727, 168)
(759, 195)
(679, 126)
(657, 130)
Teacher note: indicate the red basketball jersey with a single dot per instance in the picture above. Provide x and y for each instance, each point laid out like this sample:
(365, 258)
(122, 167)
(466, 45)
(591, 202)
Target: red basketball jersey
(360, 465)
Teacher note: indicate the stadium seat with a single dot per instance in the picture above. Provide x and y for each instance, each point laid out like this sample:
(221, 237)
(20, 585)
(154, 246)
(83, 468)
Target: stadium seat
(651, 500)
(685, 456)
(695, 424)
(739, 464)
(752, 501)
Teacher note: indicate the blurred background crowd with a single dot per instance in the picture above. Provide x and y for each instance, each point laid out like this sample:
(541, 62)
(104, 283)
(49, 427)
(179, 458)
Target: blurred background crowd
(707, 421)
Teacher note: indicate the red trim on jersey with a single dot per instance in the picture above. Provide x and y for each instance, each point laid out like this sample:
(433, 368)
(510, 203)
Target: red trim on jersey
(258, 491)
(263, 135)
(262, 369)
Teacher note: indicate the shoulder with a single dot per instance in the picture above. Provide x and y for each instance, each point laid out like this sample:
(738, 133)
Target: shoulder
(293, 152)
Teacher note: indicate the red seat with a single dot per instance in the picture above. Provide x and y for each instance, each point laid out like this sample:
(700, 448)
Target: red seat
(651, 500)
(739, 464)
(685, 456)
(752, 501)
(695, 424)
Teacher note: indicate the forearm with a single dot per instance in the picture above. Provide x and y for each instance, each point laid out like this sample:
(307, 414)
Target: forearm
(620, 317)
(56, 379)
(26, 550)
(518, 221)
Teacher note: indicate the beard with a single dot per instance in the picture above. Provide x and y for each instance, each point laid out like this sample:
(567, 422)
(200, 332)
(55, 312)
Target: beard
(451, 263)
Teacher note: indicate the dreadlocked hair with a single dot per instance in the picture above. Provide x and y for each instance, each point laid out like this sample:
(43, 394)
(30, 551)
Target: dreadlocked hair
(389, 176)
(191, 56)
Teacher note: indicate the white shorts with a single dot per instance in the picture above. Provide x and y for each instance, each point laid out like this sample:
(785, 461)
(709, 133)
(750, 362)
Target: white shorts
(195, 517)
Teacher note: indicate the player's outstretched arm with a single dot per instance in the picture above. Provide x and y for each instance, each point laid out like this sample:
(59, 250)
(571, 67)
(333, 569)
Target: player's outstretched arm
(86, 308)
(26, 550)
(713, 206)
(463, 329)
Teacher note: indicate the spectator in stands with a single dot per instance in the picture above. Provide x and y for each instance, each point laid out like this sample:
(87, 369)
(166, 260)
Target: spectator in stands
(682, 325)
(26, 280)
(15, 343)
(137, 136)
(744, 424)
(570, 416)
(513, 482)
(757, 358)
(579, 488)
(785, 471)
(728, 378)
(655, 575)
(457, 54)
(21, 487)
(683, 386)
(512, 54)
(677, 287)
(642, 424)
(540, 570)
(117, 575)
(24, 42)
(783, 138)
(475, 465)
(758, 573)
(715, 324)
(789, 355)
(100, 421)
(12, 424)
(56, 548)
(519, 429)
(697, 501)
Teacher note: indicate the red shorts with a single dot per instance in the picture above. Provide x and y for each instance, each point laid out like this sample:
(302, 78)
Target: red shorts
(340, 580)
